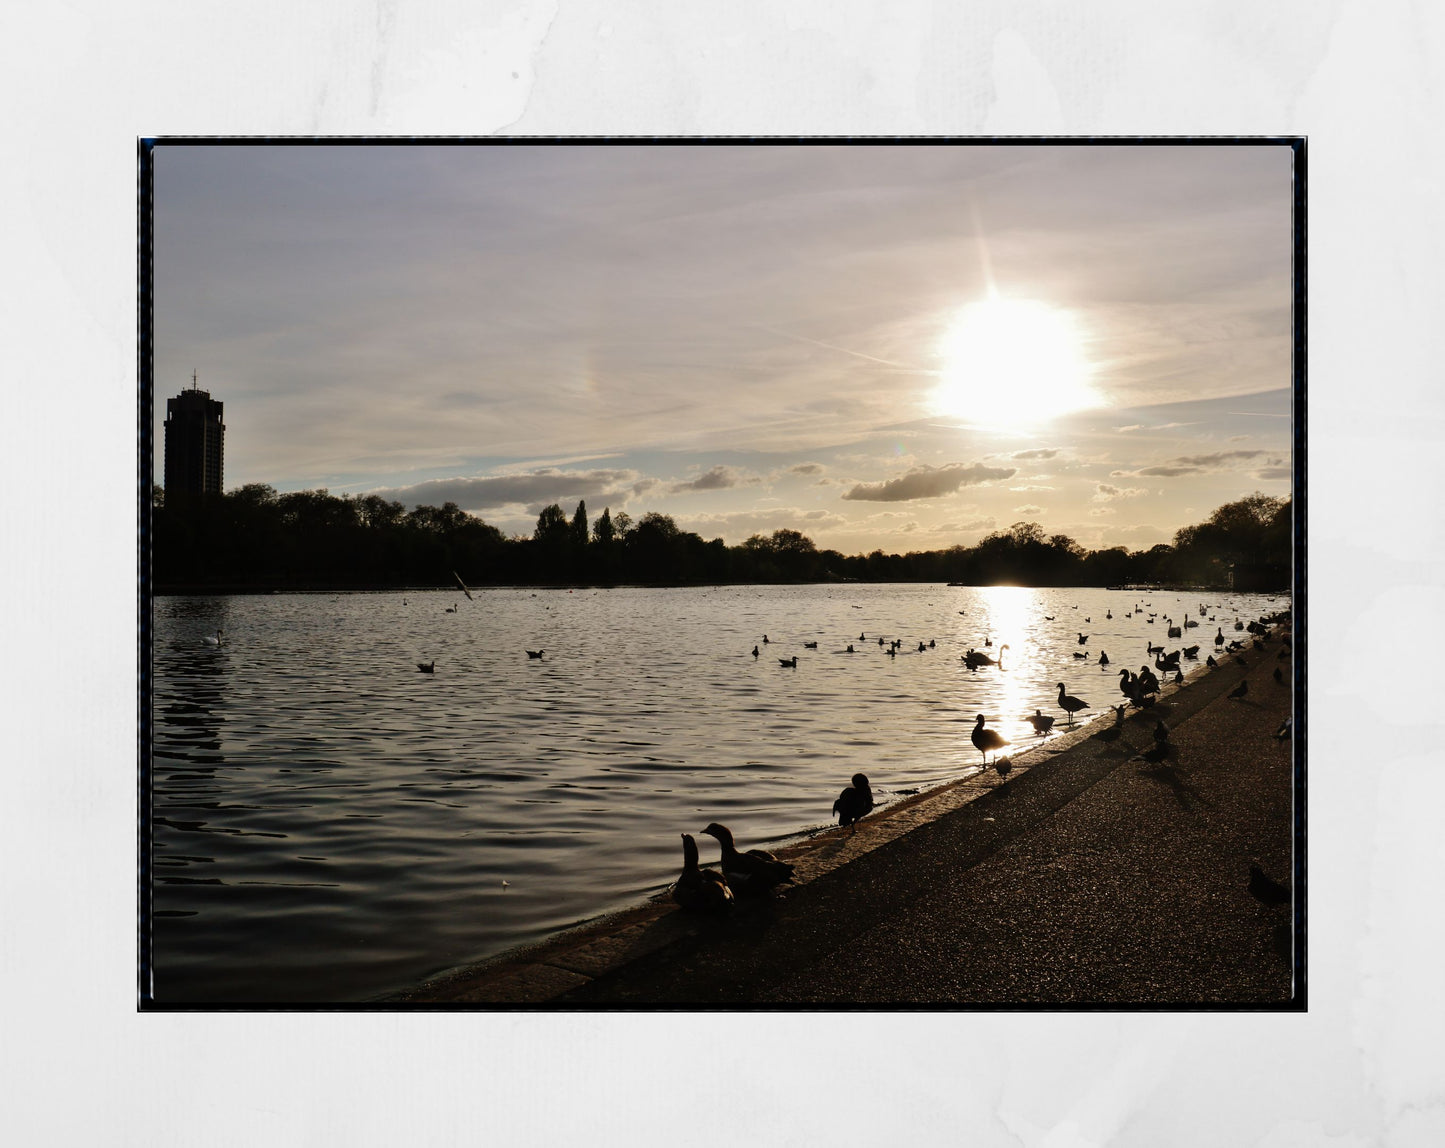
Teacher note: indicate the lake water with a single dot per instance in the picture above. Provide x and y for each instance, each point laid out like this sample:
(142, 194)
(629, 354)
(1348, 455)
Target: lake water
(330, 825)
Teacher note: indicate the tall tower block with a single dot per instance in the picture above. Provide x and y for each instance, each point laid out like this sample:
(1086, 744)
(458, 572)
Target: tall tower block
(195, 442)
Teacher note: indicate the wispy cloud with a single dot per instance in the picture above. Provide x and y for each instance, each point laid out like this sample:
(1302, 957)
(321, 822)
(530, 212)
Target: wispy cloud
(928, 482)
(1104, 492)
(1042, 452)
(718, 478)
(1190, 464)
(547, 485)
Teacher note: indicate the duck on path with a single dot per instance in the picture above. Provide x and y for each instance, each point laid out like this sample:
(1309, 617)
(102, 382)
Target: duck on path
(987, 739)
(700, 890)
(855, 802)
(751, 874)
(1070, 705)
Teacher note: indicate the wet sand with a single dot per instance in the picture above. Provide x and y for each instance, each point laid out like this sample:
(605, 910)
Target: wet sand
(1089, 877)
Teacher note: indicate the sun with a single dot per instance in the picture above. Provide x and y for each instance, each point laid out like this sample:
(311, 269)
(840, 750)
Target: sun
(1010, 363)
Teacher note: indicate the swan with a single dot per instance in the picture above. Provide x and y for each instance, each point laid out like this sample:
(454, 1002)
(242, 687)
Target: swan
(1070, 705)
(987, 739)
(218, 640)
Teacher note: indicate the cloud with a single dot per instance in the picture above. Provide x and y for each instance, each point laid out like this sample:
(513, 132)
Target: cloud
(543, 486)
(1100, 510)
(1039, 453)
(1190, 464)
(806, 468)
(1028, 508)
(737, 526)
(718, 478)
(1106, 493)
(1027, 489)
(928, 482)
(1273, 472)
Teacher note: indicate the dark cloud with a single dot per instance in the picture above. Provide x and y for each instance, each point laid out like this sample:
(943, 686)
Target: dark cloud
(1273, 472)
(1039, 453)
(718, 478)
(806, 468)
(928, 482)
(1106, 493)
(540, 487)
(1190, 464)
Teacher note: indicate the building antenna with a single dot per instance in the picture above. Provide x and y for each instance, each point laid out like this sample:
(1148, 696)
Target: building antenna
(194, 386)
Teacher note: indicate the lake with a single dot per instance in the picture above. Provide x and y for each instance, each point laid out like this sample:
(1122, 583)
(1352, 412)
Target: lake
(331, 825)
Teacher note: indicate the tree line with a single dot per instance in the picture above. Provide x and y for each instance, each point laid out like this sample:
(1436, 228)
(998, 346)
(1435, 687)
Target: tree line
(253, 538)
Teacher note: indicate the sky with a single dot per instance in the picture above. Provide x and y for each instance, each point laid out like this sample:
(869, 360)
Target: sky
(900, 346)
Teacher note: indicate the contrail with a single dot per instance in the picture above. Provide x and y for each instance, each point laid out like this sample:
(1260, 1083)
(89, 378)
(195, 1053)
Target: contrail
(835, 347)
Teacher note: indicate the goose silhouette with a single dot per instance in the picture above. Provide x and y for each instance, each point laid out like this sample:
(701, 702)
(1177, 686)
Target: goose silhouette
(535, 653)
(1041, 723)
(1070, 705)
(791, 663)
(699, 890)
(987, 739)
(855, 802)
(750, 874)
(427, 667)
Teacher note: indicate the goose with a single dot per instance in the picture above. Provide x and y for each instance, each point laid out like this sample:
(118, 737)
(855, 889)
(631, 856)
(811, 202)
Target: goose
(427, 667)
(988, 641)
(1219, 637)
(1081, 655)
(535, 653)
(1041, 724)
(1240, 690)
(765, 639)
(1083, 638)
(753, 873)
(755, 651)
(1265, 889)
(1103, 658)
(700, 890)
(791, 663)
(1148, 683)
(855, 802)
(850, 647)
(987, 739)
(218, 640)
(1238, 625)
(1070, 705)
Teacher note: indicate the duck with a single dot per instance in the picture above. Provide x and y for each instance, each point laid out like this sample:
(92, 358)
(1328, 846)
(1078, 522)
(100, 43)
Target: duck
(700, 890)
(987, 739)
(1210, 662)
(755, 651)
(855, 802)
(218, 640)
(427, 667)
(810, 645)
(861, 638)
(1103, 658)
(1070, 705)
(751, 874)
(850, 647)
(1115, 731)
(765, 639)
(1219, 637)
(1041, 723)
(1191, 652)
(1265, 889)
(1083, 638)
(790, 663)
(1108, 614)
(535, 653)
(988, 641)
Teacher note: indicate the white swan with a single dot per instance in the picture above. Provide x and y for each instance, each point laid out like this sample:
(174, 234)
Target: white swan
(218, 640)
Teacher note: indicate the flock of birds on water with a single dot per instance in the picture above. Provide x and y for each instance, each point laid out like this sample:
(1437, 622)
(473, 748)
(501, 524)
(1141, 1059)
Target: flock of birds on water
(756, 872)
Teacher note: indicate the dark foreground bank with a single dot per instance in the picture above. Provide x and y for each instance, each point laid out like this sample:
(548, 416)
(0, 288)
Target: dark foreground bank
(1091, 877)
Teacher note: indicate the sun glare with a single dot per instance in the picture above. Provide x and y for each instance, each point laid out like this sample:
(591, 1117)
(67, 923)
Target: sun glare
(1011, 363)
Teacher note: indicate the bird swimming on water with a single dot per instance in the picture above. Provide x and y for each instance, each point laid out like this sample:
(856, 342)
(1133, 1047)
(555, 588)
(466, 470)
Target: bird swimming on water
(855, 802)
(987, 739)
(791, 663)
(535, 653)
(750, 874)
(755, 651)
(427, 667)
(218, 640)
(701, 890)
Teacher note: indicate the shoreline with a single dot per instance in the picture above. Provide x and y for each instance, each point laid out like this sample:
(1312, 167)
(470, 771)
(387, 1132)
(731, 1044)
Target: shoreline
(615, 958)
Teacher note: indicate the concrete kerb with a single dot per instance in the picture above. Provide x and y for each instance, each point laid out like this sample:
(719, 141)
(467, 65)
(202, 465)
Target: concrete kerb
(538, 974)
